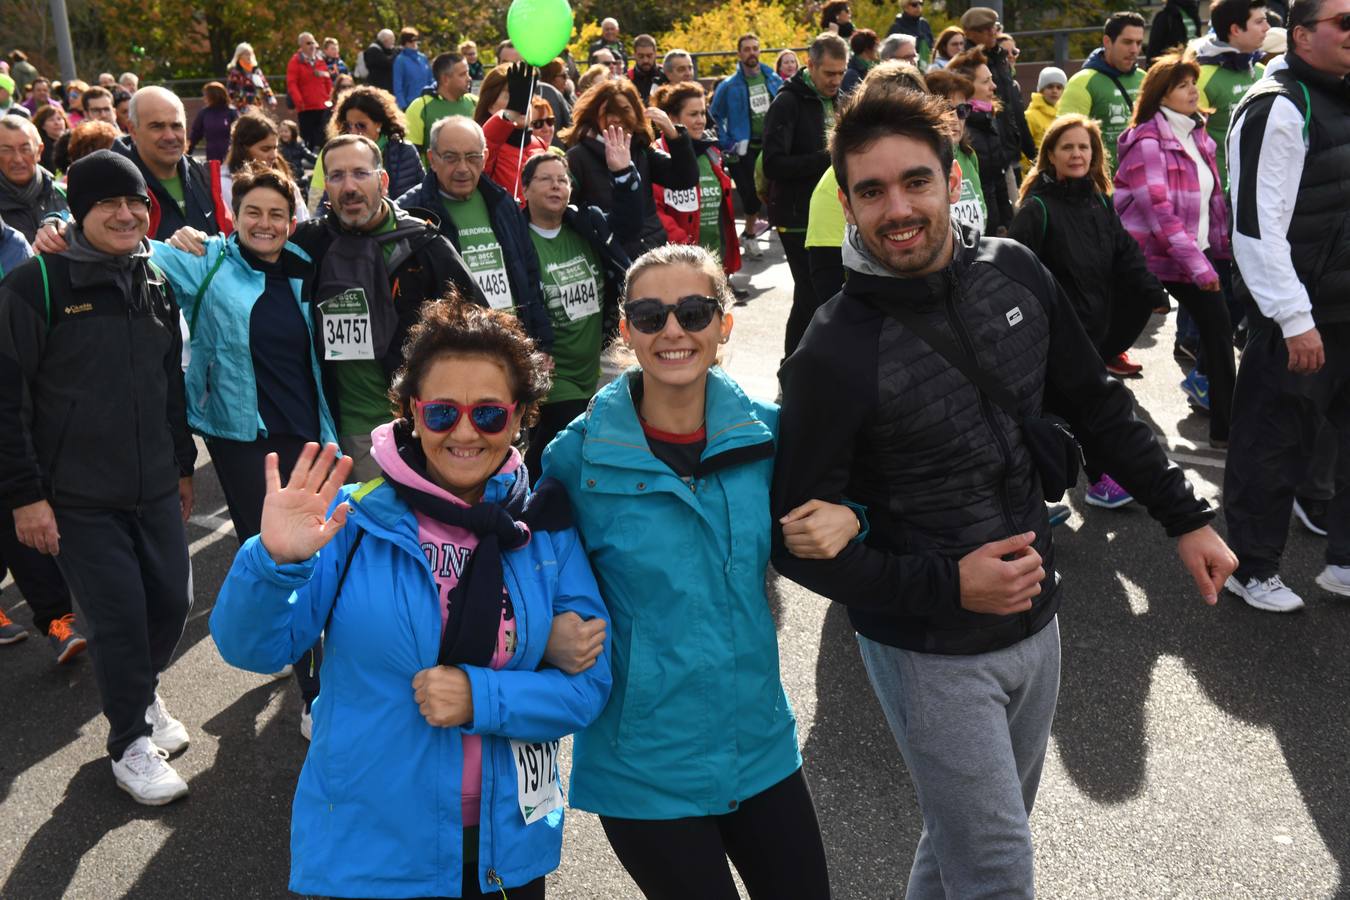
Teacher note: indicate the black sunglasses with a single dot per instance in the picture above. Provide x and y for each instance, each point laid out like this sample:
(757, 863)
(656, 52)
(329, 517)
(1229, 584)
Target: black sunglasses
(546, 122)
(1342, 21)
(693, 313)
(963, 111)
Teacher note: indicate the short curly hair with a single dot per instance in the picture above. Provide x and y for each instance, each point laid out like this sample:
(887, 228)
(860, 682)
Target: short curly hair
(378, 104)
(455, 327)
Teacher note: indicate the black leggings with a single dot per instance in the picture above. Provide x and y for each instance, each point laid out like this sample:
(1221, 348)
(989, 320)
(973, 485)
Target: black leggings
(1210, 313)
(773, 839)
(804, 299)
(469, 889)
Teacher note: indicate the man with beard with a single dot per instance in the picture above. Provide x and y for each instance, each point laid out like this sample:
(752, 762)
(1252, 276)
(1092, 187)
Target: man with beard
(953, 592)
(645, 73)
(376, 265)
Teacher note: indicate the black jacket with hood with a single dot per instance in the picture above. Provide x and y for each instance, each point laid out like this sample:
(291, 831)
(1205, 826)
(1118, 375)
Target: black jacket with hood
(795, 153)
(1169, 26)
(940, 468)
(92, 408)
(199, 205)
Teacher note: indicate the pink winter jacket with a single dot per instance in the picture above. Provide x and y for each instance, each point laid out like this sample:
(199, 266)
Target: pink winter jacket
(1158, 199)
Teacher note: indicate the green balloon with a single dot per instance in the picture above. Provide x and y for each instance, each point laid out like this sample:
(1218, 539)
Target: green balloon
(540, 29)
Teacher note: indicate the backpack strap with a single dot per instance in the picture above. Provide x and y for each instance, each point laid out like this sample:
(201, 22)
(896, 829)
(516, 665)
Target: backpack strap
(201, 291)
(1045, 215)
(46, 289)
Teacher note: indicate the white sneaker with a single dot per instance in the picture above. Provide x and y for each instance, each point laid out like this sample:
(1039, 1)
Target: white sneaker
(283, 673)
(143, 773)
(1335, 579)
(306, 723)
(1270, 594)
(168, 733)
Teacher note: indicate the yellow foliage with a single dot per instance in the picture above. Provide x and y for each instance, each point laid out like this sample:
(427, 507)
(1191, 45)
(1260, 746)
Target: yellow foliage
(719, 28)
(582, 42)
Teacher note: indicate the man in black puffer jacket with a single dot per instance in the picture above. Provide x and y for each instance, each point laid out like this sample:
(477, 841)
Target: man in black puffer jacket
(953, 589)
(796, 130)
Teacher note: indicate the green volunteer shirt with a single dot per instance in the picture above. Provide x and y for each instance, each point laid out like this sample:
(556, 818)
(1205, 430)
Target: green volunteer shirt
(1221, 89)
(709, 208)
(362, 385)
(970, 210)
(1096, 96)
(479, 246)
(573, 284)
(825, 221)
(759, 103)
(174, 188)
(427, 110)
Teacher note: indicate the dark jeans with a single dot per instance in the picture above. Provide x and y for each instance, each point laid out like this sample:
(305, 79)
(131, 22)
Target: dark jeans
(239, 467)
(804, 300)
(773, 839)
(36, 574)
(553, 418)
(743, 173)
(1210, 314)
(1276, 419)
(827, 271)
(129, 572)
(312, 123)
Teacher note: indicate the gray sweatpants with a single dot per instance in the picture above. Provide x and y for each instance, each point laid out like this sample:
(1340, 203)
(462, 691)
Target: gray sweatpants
(973, 732)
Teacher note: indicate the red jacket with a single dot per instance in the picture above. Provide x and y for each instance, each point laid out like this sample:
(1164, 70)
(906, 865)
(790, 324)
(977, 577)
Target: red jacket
(679, 212)
(505, 158)
(308, 84)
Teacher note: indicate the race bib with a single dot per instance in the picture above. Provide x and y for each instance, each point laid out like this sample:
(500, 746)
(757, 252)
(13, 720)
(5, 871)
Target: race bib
(684, 201)
(577, 290)
(968, 210)
(346, 326)
(487, 268)
(538, 787)
(759, 99)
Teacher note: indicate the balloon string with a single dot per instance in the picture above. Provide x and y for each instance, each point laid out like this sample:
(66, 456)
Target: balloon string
(529, 138)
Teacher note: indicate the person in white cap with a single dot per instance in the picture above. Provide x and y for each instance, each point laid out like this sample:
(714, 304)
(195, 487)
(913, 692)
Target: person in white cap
(1044, 105)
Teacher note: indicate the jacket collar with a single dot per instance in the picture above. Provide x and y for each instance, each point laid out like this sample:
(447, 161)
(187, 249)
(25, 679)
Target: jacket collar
(1097, 62)
(614, 436)
(1301, 70)
(867, 277)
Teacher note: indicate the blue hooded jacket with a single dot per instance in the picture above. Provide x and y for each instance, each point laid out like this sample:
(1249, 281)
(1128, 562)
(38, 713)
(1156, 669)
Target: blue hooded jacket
(412, 73)
(377, 807)
(730, 106)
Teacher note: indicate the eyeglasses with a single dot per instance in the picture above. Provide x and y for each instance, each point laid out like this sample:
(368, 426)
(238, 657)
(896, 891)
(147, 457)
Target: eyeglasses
(453, 159)
(340, 175)
(693, 313)
(441, 416)
(1342, 21)
(540, 124)
(1015, 52)
(25, 149)
(113, 205)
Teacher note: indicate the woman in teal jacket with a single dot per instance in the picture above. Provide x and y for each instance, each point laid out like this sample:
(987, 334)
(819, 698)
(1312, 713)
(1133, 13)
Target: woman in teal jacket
(433, 767)
(695, 758)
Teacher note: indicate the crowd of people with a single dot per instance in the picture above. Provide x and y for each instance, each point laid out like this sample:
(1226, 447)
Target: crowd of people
(387, 318)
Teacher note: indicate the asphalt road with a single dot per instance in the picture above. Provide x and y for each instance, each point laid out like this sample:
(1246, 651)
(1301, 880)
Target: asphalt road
(1197, 752)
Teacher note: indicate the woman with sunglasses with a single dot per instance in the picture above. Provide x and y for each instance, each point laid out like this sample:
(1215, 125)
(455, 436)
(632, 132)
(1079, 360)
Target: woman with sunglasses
(434, 766)
(509, 131)
(695, 758)
(371, 112)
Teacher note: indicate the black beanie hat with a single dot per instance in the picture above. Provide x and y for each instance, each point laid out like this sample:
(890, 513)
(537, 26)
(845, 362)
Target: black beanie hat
(102, 175)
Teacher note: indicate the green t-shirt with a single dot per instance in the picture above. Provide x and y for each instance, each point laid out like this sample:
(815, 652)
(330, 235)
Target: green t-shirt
(827, 104)
(479, 246)
(362, 386)
(174, 188)
(969, 210)
(825, 219)
(759, 103)
(426, 111)
(573, 284)
(1221, 89)
(1096, 96)
(709, 208)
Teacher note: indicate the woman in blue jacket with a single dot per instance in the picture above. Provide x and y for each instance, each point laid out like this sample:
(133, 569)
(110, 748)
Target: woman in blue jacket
(433, 769)
(695, 758)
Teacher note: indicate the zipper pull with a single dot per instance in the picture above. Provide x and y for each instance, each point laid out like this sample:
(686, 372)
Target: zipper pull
(494, 878)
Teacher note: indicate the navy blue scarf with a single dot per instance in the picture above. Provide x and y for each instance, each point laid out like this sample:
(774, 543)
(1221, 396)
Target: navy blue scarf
(470, 636)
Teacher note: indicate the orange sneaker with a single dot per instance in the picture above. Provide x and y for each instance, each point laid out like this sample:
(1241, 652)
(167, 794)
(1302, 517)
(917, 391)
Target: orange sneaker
(67, 643)
(11, 632)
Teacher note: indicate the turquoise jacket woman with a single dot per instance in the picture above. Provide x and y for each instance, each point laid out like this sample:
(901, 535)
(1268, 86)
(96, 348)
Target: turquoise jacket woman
(697, 719)
(222, 394)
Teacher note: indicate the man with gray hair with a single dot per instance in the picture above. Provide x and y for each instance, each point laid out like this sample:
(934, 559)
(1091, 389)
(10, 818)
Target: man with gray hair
(483, 223)
(379, 61)
(130, 82)
(902, 47)
(27, 191)
(678, 66)
(180, 192)
(610, 40)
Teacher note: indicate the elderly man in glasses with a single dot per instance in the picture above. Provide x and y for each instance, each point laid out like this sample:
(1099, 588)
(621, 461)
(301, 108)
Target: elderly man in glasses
(97, 463)
(27, 191)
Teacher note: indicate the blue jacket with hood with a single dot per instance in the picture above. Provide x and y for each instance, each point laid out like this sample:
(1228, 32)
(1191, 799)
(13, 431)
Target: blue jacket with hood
(377, 807)
(730, 107)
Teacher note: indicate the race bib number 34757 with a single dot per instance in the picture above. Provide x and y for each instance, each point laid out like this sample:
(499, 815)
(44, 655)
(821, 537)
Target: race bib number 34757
(346, 326)
(538, 787)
